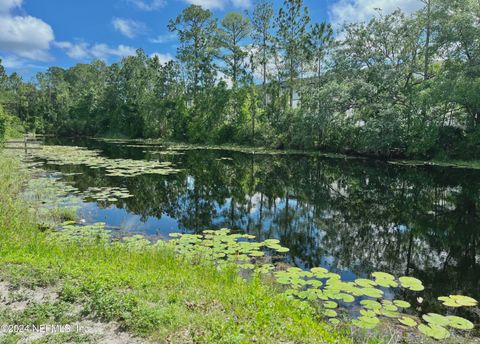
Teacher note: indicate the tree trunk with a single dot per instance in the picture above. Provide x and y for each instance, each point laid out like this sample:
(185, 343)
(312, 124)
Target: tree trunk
(427, 42)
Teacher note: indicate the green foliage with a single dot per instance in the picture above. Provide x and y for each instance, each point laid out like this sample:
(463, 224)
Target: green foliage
(396, 85)
(434, 331)
(9, 125)
(318, 285)
(458, 301)
(3, 124)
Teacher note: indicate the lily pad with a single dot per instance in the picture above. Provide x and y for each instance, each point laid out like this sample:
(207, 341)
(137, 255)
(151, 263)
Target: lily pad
(330, 304)
(407, 321)
(401, 304)
(436, 319)
(459, 323)
(366, 283)
(372, 292)
(458, 301)
(411, 283)
(330, 313)
(370, 304)
(366, 322)
(434, 331)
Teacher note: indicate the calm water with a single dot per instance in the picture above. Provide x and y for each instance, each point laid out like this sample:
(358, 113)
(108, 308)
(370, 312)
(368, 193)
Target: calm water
(353, 216)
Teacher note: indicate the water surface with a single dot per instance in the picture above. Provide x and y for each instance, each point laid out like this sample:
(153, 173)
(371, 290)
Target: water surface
(353, 216)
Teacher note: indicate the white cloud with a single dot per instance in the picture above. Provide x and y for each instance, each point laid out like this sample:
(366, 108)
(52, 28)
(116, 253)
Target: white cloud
(18, 63)
(83, 51)
(127, 27)
(103, 51)
(165, 38)
(7, 5)
(76, 51)
(25, 36)
(220, 4)
(350, 11)
(163, 58)
(146, 5)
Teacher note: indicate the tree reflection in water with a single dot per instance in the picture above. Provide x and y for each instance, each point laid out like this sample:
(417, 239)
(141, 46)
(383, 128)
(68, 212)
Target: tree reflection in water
(354, 216)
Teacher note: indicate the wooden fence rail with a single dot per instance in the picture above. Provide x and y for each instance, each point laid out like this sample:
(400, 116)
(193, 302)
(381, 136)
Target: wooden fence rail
(26, 144)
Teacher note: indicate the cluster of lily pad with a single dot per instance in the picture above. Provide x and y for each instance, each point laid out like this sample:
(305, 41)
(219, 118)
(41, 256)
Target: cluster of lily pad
(70, 155)
(326, 289)
(329, 290)
(110, 194)
(223, 248)
(47, 191)
(71, 232)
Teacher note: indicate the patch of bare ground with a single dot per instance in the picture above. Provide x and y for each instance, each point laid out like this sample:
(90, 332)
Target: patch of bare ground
(15, 301)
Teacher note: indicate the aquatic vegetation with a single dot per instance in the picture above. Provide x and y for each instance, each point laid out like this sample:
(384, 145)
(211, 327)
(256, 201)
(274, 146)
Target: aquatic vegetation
(325, 288)
(330, 287)
(407, 321)
(434, 331)
(72, 232)
(459, 323)
(317, 286)
(47, 192)
(411, 283)
(458, 301)
(70, 155)
(223, 248)
(110, 194)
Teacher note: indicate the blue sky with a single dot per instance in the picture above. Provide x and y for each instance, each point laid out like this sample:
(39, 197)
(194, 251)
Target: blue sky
(36, 34)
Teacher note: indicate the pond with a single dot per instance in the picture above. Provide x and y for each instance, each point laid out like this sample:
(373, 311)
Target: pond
(353, 216)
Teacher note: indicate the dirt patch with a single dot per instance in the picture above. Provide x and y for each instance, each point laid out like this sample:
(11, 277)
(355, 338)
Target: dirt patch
(16, 301)
(108, 333)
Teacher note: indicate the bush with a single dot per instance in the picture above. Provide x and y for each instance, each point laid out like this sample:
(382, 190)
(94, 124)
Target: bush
(3, 124)
(10, 126)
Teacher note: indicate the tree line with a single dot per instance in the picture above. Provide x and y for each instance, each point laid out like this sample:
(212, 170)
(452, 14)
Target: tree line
(396, 85)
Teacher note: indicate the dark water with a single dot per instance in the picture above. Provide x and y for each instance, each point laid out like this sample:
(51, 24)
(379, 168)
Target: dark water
(353, 216)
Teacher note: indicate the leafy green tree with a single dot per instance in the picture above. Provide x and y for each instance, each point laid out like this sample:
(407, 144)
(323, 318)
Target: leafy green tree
(262, 25)
(292, 41)
(377, 63)
(320, 40)
(458, 36)
(234, 29)
(401, 85)
(3, 84)
(3, 124)
(196, 29)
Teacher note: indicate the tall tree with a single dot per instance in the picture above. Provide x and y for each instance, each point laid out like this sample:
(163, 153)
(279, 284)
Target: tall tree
(321, 37)
(196, 30)
(3, 84)
(292, 36)
(234, 29)
(261, 33)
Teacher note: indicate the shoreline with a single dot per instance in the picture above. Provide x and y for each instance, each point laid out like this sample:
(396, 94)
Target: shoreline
(129, 293)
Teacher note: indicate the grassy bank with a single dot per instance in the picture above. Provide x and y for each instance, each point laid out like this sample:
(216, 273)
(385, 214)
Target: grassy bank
(113, 292)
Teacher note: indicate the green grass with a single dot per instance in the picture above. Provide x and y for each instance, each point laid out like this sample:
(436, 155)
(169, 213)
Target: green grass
(152, 293)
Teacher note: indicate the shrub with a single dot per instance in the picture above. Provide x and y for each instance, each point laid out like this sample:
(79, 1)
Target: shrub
(3, 123)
